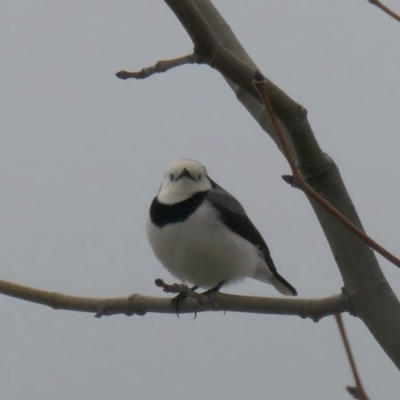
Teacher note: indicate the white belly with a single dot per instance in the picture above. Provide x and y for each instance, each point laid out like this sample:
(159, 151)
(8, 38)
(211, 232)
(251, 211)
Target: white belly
(201, 251)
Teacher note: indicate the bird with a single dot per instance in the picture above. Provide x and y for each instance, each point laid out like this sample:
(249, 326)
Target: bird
(202, 235)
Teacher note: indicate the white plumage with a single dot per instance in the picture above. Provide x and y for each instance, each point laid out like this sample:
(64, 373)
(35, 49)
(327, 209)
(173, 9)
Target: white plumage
(201, 251)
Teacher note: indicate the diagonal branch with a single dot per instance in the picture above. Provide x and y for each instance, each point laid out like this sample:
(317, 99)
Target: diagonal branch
(385, 9)
(297, 179)
(217, 44)
(137, 304)
(358, 391)
(160, 66)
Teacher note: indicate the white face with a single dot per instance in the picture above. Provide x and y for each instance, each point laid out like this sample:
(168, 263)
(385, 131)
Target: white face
(183, 179)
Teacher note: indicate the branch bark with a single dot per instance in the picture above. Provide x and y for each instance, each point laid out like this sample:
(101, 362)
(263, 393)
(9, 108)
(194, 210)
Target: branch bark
(371, 297)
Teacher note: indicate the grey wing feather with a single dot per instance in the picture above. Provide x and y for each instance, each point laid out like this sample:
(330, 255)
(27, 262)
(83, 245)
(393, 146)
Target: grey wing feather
(234, 216)
(221, 198)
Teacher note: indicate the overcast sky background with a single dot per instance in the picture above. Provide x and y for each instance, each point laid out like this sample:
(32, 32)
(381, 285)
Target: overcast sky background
(82, 155)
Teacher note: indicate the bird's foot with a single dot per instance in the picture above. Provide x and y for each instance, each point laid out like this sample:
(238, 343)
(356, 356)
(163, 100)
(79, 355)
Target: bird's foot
(183, 292)
(182, 295)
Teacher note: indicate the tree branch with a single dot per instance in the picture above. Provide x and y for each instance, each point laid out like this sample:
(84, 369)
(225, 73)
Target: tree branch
(216, 42)
(358, 391)
(299, 182)
(160, 66)
(140, 305)
(385, 9)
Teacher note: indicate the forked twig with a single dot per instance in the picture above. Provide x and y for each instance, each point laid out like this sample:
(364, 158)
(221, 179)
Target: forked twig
(385, 9)
(298, 180)
(358, 391)
(160, 66)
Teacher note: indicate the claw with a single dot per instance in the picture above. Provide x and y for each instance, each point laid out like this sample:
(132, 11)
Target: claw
(178, 300)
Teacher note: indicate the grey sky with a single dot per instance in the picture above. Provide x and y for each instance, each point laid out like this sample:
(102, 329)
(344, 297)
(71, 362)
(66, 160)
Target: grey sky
(82, 155)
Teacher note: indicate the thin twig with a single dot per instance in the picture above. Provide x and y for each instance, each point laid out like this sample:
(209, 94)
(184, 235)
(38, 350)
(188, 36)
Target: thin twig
(298, 180)
(385, 9)
(160, 66)
(358, 391)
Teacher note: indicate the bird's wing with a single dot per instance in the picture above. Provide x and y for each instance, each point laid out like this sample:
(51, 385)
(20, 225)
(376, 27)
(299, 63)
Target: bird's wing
(234, 216)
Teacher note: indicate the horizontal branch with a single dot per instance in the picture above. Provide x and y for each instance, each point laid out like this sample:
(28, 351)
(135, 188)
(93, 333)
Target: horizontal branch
(160, 66)
(140, 305)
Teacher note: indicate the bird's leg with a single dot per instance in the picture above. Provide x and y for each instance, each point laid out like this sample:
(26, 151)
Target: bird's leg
(215, 289)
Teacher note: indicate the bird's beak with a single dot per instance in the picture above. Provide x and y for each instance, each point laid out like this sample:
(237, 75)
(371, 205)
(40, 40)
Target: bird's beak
(185, 173)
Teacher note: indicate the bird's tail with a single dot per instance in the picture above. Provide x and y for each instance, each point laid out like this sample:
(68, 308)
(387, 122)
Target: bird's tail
(282, 285)
(277, 281)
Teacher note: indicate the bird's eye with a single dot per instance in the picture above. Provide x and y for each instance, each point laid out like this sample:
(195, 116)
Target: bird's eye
(171, 177)
(199, 177)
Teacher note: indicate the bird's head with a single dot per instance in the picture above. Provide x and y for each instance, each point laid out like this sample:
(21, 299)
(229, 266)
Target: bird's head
(183, 179)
